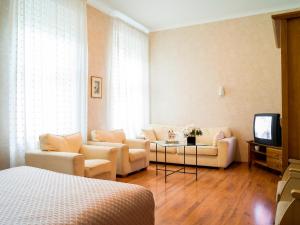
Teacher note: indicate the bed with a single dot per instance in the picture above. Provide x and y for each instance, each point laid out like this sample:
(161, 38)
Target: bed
(35, 196)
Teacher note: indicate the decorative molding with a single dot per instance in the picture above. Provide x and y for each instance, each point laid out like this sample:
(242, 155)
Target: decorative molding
(292, 6)
(105, 8)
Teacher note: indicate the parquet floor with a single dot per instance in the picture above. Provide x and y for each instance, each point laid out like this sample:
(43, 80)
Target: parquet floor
(234, 196)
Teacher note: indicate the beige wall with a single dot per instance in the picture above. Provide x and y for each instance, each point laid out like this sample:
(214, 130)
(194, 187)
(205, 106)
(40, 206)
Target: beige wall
(98, 37)
(189, 64)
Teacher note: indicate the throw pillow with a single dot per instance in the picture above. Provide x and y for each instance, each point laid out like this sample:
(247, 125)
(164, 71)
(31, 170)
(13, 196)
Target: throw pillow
(51, 142)
(74, 142)
(149, 134)
(114, 136)
(218, 136)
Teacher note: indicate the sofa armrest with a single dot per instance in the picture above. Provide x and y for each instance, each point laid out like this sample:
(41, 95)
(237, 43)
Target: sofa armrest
(123, 165)
(62, 162)
(226, 151)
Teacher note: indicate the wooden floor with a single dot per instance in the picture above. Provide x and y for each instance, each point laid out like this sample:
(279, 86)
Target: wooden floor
(235, 196)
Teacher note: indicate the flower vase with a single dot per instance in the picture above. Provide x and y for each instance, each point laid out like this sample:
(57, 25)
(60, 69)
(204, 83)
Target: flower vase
(191, 140)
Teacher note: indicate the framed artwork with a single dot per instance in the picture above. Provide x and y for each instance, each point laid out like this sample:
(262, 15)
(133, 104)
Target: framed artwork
(96, 87)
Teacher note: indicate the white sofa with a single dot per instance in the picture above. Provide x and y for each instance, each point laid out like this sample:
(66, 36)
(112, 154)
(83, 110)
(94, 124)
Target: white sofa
(219, 149)
(132, 154)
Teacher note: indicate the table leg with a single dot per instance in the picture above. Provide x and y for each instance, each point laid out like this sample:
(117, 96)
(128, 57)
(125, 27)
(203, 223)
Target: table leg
(196, 162)
(249, 155)
(165, 164)
(184, 159)
(156, 159)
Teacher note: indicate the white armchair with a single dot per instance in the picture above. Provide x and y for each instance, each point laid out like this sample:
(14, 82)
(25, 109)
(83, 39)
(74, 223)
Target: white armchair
(67, 154)
(132, 154)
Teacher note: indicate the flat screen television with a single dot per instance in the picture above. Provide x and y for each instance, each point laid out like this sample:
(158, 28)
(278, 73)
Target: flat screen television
(267, 129)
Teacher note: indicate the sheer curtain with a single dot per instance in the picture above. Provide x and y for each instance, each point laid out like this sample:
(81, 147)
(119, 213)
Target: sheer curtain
(47, 74)
(128, 83)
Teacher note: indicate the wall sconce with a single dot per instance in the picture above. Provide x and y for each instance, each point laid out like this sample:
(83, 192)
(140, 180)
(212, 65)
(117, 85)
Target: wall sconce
(221, 91)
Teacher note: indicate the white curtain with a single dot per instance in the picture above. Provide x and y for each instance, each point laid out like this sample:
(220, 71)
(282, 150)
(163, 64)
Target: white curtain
(128, 82)
(47, 74)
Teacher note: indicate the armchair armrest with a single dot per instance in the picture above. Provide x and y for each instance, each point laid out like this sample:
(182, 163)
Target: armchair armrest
(295, 193)
(63, 162)
(226, 151)
(292, 183)
(99, 152)
(294, 173)
(122, 155)
(294, 161)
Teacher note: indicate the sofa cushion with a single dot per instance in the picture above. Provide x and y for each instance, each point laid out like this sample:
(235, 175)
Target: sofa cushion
(94, 167)
(162, 149)
(149, 134)
(113, 136)
(201, 150)
(161, 131)
(218, 136)
(207, 137)
(136, 154)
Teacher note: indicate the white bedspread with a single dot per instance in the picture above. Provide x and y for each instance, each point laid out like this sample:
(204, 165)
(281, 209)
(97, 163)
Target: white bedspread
(35, 196)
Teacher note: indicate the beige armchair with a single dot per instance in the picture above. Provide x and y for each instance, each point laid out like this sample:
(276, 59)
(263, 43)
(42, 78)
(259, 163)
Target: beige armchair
(294, 166)
(288, 207)
(133, 154)
(67, 154)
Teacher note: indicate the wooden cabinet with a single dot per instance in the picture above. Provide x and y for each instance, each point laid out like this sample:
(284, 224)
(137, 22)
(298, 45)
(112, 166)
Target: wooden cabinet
(287, 35)
(267, 156)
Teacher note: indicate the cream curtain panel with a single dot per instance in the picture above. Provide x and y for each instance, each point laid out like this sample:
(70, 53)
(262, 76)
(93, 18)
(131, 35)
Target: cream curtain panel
(128, 80)
(44, 72)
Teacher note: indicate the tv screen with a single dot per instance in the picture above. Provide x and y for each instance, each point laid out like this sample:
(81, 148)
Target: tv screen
(266, 129)
(263, 127)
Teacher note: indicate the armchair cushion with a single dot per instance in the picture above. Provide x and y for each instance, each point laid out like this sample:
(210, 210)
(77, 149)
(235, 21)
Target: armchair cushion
(136, 154)
(114, 136)
(58, 143)
(94, 167)
(50, 142)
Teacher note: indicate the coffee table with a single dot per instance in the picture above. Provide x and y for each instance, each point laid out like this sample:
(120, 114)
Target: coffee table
(180, 144)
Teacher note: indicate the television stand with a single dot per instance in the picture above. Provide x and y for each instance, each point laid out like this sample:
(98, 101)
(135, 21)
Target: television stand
(265, 155)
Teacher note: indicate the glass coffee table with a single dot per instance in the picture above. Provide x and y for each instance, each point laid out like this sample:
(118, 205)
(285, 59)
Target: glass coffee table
(167, 171)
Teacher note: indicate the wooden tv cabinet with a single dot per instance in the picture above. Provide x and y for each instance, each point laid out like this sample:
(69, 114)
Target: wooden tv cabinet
(265, 155)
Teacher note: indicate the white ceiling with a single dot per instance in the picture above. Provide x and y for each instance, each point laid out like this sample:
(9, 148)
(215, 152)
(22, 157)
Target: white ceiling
(164, 14)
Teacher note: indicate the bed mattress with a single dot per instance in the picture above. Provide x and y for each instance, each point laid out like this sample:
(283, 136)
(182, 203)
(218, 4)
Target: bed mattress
(35, 196)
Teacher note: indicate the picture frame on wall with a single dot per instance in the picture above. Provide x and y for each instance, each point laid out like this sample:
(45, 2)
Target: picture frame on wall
(96, 87)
